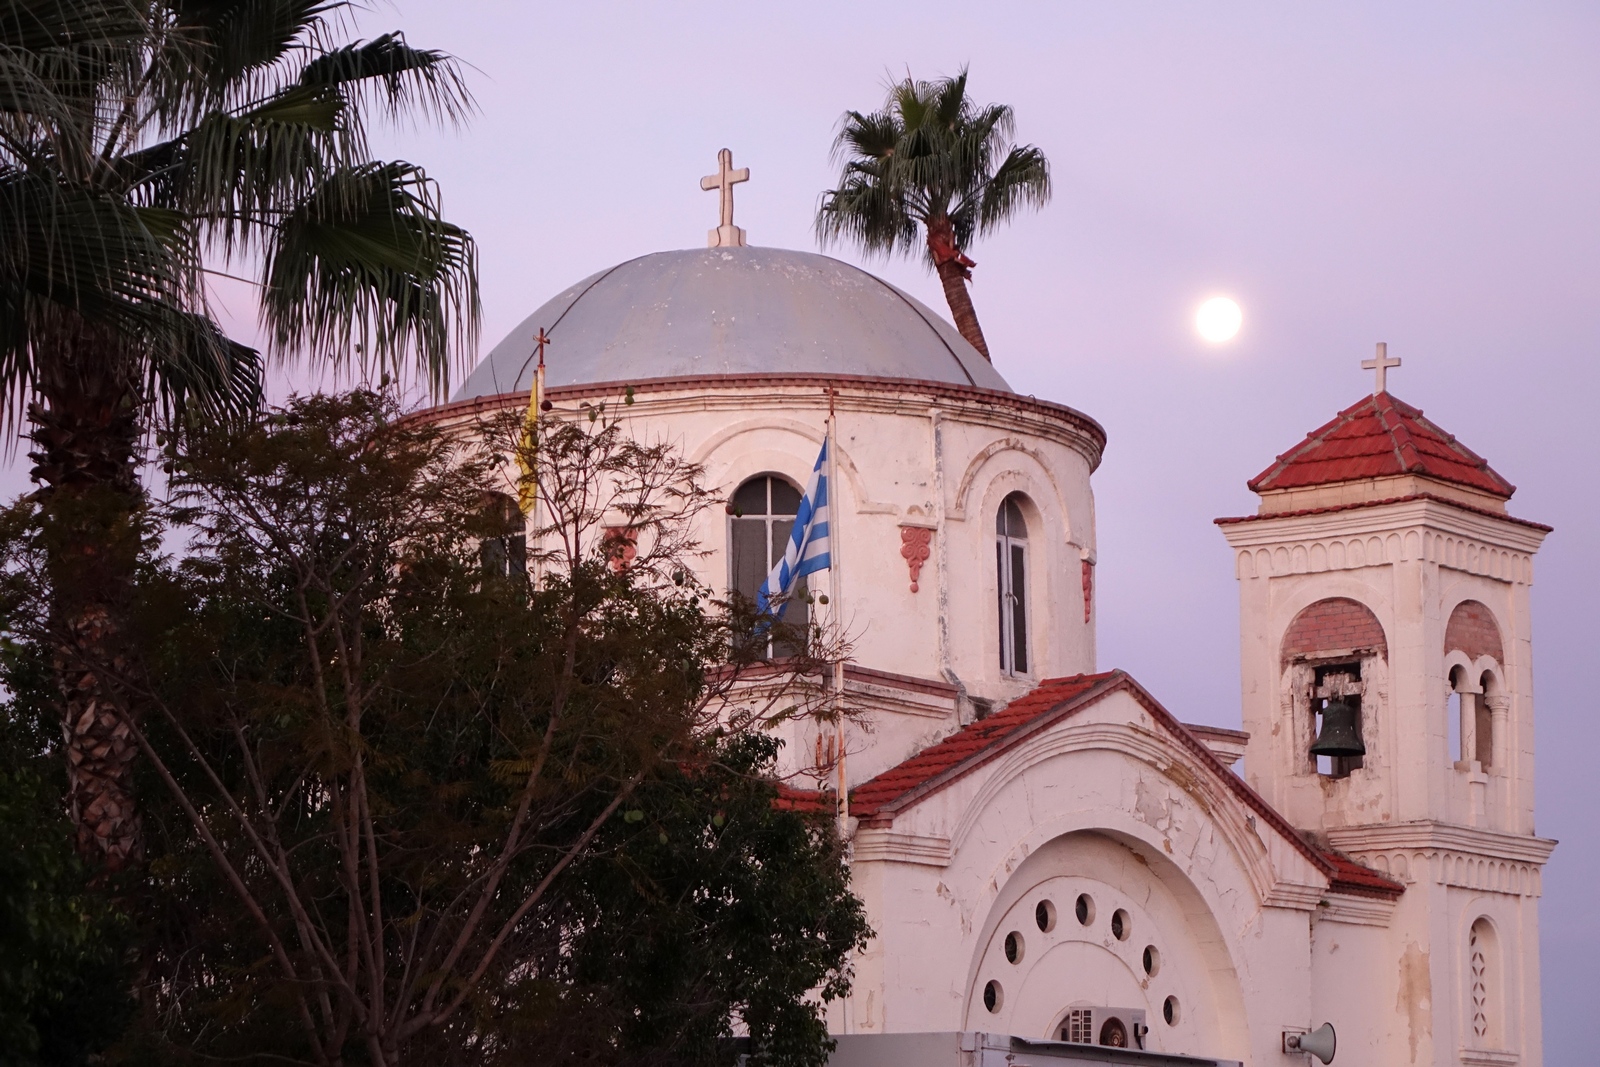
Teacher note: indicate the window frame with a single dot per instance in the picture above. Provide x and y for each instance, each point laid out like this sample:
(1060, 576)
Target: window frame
(798, 614)
(1010, 550)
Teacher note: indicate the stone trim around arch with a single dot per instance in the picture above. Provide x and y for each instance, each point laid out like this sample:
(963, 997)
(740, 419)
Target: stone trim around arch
(1472, 629)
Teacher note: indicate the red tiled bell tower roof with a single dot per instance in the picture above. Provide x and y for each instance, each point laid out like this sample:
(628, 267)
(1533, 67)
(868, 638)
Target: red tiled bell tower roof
(1380, 436)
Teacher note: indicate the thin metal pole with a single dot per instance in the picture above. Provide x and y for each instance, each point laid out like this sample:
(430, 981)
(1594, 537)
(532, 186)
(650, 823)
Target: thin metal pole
(835, 541)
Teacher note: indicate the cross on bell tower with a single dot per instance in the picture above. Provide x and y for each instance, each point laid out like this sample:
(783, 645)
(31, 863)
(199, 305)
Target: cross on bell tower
(726, 235)
(1381, 363)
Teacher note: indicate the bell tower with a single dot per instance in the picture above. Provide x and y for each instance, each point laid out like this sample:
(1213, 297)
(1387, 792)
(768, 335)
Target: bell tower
(1387, 689)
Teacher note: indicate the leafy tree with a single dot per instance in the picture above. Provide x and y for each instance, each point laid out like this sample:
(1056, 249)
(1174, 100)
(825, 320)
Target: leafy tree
(405, 804)
(146, 145)
(63, 980)
(932, 159)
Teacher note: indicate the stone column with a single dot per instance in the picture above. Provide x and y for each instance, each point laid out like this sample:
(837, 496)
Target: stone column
(1500, 732)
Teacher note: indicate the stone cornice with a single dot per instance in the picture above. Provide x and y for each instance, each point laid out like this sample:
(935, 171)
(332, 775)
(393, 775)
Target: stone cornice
(1445, 837)
(1418, 511)
(991, 408)
(1356, 909)
(1421, 529)
(873, 844)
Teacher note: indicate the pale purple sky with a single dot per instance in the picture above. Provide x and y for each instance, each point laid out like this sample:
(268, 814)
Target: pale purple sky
(1425, 174)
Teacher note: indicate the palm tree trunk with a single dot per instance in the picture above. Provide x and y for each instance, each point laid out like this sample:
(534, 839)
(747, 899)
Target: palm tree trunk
(954, 278)
(954, 269)
(84, 431)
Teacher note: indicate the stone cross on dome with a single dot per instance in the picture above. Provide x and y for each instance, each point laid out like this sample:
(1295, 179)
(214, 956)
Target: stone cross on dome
(1381, 363)
(726, 235)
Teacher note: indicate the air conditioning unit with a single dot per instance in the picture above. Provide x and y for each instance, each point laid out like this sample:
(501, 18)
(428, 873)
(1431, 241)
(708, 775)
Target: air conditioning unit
(1116, 1027)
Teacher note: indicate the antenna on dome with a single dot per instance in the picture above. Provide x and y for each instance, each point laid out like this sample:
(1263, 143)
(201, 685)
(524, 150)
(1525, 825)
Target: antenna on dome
(726, 235)
(1381, 363)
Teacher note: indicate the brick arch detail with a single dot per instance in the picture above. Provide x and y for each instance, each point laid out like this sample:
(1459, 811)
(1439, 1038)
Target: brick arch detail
(1472, 630)
(1332, 625)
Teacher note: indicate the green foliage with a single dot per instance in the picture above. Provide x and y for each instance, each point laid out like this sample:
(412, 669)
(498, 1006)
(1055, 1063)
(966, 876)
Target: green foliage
(138, 138)
(397, 802)
(931, 158)
(63, 982)
(724, 906)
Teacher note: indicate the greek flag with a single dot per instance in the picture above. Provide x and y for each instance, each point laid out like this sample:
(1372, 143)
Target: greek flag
(808, 549)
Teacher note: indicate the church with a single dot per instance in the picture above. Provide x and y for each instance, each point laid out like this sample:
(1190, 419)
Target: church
(1057, 868)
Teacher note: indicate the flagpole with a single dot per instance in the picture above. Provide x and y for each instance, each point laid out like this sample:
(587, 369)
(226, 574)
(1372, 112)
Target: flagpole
(834, 542)
(527, 460)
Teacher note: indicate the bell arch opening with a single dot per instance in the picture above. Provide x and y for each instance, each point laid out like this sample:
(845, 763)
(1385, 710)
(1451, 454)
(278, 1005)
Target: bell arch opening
(1330, 654)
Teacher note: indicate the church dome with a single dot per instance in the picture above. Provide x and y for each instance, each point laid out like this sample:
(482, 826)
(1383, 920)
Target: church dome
(732, 311)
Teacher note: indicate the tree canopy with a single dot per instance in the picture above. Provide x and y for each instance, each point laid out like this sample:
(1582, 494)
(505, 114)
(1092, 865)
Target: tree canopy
(406, 808)
(931, 164)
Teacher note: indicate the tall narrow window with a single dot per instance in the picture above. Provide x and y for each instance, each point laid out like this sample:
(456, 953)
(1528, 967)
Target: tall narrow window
(1011, 575)
(1483, 980)
(763, 512)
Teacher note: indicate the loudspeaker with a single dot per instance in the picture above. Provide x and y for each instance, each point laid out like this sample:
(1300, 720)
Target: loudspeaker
(1319, 1042)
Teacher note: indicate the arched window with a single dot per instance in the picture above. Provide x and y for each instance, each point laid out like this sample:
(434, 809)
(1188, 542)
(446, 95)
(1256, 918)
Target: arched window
(505, 553)
(1011, 573)
(1483, 985)
(763, 511)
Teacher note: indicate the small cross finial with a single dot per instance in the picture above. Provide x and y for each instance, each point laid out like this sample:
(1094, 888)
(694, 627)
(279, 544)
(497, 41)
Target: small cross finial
(726, 235)
(542, 340)
(1380, 363)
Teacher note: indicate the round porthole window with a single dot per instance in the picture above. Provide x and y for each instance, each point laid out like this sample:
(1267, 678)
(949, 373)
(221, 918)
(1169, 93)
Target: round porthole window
(1014, 947)
(1045, 916)
(1169, 1010)
(1121, 925)
(993, 996)
(1085, 909)
(1152, 960)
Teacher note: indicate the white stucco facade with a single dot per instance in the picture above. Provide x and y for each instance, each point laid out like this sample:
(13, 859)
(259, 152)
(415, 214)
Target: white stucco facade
(1396, 898)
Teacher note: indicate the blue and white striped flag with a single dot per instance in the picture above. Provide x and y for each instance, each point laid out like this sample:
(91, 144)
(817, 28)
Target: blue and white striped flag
(808, 549)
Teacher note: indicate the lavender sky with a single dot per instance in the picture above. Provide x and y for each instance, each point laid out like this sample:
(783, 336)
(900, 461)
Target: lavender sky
(1426, 174)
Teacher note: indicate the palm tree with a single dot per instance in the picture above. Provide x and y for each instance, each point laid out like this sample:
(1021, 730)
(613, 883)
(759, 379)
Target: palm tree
(929, 159)
(146, 145)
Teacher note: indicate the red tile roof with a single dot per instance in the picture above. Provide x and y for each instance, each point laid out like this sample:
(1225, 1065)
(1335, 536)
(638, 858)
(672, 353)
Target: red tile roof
(807, 801)
(1378, 437)
(868, 798)
(1055, 699)
(1351, 877)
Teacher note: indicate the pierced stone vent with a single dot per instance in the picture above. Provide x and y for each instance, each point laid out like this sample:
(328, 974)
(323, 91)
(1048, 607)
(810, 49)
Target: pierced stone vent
(1472, 630)
(1333, 625)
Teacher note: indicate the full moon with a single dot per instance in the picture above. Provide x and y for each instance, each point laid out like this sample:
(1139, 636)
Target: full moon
(1218, 319)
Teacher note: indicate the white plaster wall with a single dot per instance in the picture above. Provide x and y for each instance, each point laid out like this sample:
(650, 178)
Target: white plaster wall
(1104, 803)
(943, 460)
(1458, 843)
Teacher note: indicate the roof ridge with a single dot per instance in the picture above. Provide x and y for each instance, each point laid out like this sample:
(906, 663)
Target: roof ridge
(913, 786)
(1349, 449)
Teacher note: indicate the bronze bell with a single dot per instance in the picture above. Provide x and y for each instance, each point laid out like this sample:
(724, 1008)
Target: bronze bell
(1341, 731)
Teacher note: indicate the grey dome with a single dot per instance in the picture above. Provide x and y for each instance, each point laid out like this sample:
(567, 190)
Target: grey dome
(714, 311)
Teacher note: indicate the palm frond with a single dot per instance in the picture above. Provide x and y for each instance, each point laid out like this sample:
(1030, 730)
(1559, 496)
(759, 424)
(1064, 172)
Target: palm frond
(406, 80)
(1021, 180)
(226, 54)
(237, 175)
(126, 272)
(366, 269)
(930, 154)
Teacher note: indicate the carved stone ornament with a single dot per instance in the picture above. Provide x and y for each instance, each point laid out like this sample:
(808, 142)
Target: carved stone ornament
(1088, 588)
(914, 542)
